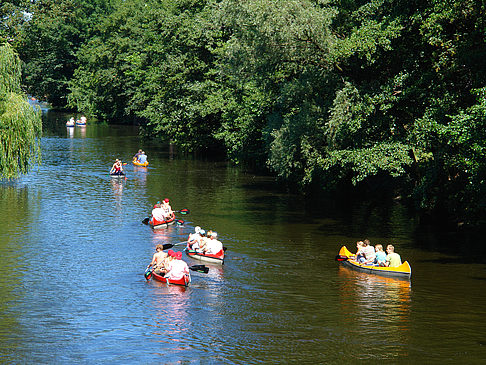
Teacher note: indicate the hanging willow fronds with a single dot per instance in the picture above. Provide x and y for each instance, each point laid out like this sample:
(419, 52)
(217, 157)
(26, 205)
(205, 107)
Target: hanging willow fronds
(20, 124)
(10, 70)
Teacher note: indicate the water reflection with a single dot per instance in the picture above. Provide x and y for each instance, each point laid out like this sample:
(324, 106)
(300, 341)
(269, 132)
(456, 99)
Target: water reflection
(70, 132)
(162, 235)
(14, 206)
(117, 188)
(82, 131)
(379, 307)
(140, 175)
(171, 325)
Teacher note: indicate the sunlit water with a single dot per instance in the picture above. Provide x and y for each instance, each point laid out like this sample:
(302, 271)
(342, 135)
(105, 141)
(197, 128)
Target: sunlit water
(73, 252)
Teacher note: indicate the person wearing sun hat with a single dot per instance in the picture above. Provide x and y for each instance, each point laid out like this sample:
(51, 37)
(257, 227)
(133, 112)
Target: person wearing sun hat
(178, 268)
(193, 237)
(213, 246)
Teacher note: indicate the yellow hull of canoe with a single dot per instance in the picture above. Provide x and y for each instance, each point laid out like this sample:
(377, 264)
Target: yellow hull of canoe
(139, 164)
(403, 271)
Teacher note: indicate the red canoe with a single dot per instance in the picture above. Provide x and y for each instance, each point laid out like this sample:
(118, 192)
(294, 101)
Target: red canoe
(214, 259)
(162, 224)
(184, 281)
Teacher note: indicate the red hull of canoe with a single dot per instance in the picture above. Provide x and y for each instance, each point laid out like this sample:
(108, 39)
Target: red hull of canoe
(184, 281)
(215, 259)
(163, 224)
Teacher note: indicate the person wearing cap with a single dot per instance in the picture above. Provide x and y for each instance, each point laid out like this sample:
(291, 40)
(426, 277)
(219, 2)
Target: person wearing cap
(168, 213)
(198, 239)
(193, 237)
(158, 259)
(178, 268)
(203, 241)
(213, 246)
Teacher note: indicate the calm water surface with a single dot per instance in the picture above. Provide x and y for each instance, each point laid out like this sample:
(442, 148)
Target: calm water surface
(73, 251)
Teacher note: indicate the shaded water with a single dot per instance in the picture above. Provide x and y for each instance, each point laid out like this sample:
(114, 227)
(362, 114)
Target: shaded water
(73, 251)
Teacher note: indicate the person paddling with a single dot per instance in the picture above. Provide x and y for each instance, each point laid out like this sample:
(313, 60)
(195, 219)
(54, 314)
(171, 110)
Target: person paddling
(194, 237)
(167, 209)
(117, 168)
(158, 215)
(137, 154)
(158, 259)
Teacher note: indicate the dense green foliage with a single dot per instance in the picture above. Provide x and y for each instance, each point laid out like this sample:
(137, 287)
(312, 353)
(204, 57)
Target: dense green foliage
(20, 124)
(321, 92)
(49, 42)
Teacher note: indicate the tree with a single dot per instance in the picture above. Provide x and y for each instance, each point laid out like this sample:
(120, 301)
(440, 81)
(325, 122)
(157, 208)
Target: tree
(50, 40)
(20, 124)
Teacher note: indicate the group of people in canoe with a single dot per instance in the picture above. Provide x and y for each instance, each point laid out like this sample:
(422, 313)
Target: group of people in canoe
(140, 158)
(205, 242)
(375, 256)
(162, 213)
(169, 264)
(81, 122)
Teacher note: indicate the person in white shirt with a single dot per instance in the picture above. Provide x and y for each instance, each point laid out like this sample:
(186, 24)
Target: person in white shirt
(196, 246)
(369, 252)
(213, 246)
(178, 268)
(158, 215)
(142, 158)
(167, 209)
(193, 237)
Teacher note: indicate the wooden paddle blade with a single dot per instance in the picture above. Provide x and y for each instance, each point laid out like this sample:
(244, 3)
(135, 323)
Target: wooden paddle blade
(341, 258)
(167, 246)
(146, 220)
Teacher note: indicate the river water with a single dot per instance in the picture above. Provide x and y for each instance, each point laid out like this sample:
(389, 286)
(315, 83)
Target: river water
(73, 252)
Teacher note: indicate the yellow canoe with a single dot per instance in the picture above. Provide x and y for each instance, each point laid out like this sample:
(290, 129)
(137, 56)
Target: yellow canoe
(347, 259)
(136, 163)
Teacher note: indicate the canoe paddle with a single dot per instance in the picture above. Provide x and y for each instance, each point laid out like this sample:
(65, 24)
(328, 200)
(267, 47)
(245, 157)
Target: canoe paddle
(170, 245)
(199, 268)
(341, 258)
(148, 273)
(179, 222)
